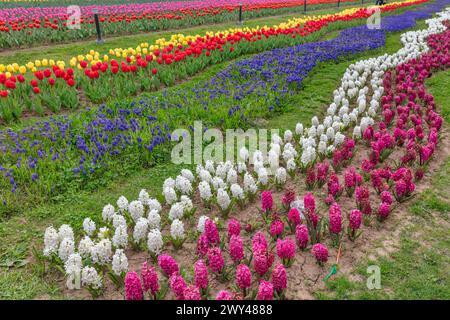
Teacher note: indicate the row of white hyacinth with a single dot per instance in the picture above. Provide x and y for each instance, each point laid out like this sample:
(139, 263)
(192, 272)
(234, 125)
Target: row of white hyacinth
(140, 222)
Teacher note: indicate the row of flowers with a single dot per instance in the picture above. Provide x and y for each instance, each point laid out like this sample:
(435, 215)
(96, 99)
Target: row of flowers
(145, 68)
(43, 157)
(261, 271)
(31, 25)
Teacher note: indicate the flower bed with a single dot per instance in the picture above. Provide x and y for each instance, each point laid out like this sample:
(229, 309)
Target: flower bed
(54, 85)
(47, 156)
(37, 24)
(358, 181)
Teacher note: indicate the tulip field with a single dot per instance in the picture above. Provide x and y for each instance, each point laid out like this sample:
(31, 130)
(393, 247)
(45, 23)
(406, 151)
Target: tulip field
(354, 176)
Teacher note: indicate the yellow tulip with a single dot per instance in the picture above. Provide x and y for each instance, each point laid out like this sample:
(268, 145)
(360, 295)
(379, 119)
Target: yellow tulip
(8, 75)
(52, 62)
(10, 68)
(22, 69)
(44, 62)
(2, 68)
(37, 63)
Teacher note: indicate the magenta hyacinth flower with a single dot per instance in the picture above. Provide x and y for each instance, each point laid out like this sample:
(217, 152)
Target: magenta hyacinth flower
(261, 263)
(202, 245)
(215, 260)
(355, 219)
(201, 274)
(302, 236)
(177, 285)
(234, 227)
(236, 248)
(386, 197)
(279, 278)
(168, 264)
(192, 293)
(211, 232)
(259, 242)
(265, 291)
(286, 250)
(384, 210)
(149, 278)
(309, 203)
(266, 201)
(320, 252)
(294, 216)
(335, 218)
(133, 287)
(224, 295)
(243, 277)
(276, 228)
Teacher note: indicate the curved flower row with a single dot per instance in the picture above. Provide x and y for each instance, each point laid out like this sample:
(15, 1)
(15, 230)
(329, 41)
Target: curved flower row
(50, 84)
(43, 157)
(408, 123)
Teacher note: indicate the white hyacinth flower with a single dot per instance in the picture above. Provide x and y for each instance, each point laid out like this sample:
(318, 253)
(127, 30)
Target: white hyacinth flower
(103, 233)
(66, 248)
(154, 204)
(119, 220)
(73, 264)
(122, 203)
(237, 191)
(140, 230)
(120, 238)
(176, 211)
(205, 191)
(249, 184)
(223, 199)
(143, 197)
(263, 176)
(101, 252)
(154, 219)
(91, 278)
(119, 262)
(155, 241)
(85, 247)
(89, 226)
(169, 183)
(65, 231)
(299, 129)
(136, 210)
(183, 185)
(188, 175)
(108, 212)
(177, 229)
(51, 241)
(281, 175)
(170, 195)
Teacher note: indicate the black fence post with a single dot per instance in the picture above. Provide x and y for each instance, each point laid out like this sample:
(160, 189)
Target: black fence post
(240, 13)
(97, 27)
(339, 3)
(304, 5)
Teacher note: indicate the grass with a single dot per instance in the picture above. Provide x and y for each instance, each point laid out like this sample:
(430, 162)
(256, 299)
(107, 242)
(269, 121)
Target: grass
(21, 232)
(68, 50)
(419, 269)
